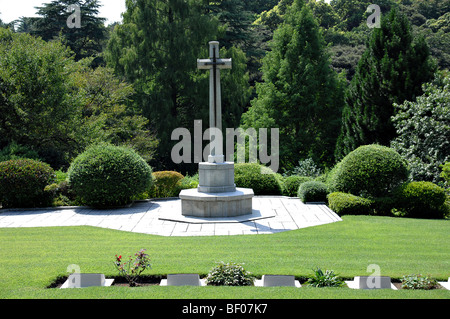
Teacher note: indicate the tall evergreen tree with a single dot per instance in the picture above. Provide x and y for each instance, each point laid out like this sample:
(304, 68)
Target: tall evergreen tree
(301, 95)
(391, 70)
(85, 41)
(156, 48)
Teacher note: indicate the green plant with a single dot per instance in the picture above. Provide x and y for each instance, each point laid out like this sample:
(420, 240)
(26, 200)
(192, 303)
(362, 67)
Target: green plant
(327, 279)
(421, 200)
(107, 175)
(229, 274)
(189, 182)
(166, 184)
(418, 282)
(445, 174)
(16, 151)
(132, 269)
(370, 171)
(313, 191)
(22, 183)
(292, 183)
(260, 178)
(306, 167)
(61, 193)
(348, 204)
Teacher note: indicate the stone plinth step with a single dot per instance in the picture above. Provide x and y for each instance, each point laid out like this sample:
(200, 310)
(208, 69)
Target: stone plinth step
(228, 204)
(371, 282)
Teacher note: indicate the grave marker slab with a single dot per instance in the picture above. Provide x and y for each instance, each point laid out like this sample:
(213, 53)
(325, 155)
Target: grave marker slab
(277, 281)
(182, 280)
(445, 284)
(371, 282)
(79, 280)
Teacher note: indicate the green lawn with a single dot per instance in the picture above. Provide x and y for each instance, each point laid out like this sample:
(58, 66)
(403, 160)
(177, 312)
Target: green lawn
(31, 258)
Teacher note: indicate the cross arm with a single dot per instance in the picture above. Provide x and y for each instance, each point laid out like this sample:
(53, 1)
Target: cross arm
(206, 64)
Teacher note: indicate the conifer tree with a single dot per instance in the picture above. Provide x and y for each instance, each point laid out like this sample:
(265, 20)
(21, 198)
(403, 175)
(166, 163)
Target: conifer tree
(391, 70)
(85, 41)
(301, 95)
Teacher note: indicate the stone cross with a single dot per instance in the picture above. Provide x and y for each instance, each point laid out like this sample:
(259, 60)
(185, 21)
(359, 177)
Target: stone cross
(214, 64)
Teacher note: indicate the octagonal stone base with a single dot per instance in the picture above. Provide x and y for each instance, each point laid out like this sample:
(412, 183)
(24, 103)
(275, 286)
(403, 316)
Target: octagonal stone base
(229, 204)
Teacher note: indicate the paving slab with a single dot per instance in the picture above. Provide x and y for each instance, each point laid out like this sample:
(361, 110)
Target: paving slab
(271, 214)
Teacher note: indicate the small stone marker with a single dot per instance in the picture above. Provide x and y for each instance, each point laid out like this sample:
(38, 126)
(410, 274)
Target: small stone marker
(78, 280)
(182, 280)
(277, 281)
(371, 282)
(445, 284)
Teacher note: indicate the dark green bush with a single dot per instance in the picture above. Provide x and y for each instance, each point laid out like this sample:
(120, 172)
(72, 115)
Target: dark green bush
(22, 183)
(383, 205)
(292, 183)
(348, 204)
(420, 200)
(370, 171)
(313, 191)
(17, 151)
(106, 175)
(261, 179)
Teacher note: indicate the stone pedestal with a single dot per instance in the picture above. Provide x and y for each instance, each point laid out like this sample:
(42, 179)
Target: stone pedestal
(216, 195)
(216, 177)
(229, 204)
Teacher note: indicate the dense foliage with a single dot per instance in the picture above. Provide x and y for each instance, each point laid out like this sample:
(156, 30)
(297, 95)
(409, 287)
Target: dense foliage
(371, 171)
(54, 106)
(348, 204)
(421, 200)
(313, 191)
(22, 183)
(166, 184)
(391, 70)
(423, 129)
(107, 175)
(292, 183)
(300, 94)
(261, 179)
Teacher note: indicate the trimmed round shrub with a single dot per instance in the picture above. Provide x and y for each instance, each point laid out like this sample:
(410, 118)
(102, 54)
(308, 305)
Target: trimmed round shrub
(22, 183)
(370, 171)
(260, 178)
(420, 200)
(348, 204)
(166, 184)
(313, 191)
(292, 183)
(107, 175)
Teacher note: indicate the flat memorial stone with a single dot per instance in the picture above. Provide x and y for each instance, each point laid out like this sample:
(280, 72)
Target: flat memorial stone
(182, 280)
(371, 282)
(277, 281)
(78, 280)
(445, 284)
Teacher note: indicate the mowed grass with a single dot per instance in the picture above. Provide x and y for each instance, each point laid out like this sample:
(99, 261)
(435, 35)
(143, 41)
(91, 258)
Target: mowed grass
(32, 258)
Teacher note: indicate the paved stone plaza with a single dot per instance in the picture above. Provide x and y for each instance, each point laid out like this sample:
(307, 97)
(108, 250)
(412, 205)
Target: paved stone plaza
(272, 214)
